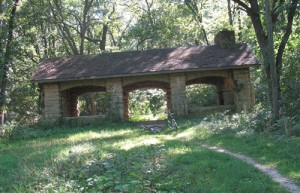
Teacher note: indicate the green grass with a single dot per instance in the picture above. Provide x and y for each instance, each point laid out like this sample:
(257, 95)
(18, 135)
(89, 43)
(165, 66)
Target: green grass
(121, 158)
(281, 152)
(161, 116)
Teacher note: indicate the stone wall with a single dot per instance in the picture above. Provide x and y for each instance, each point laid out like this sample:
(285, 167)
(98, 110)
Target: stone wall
(52, 102)
(243, 92)
(234, 88)
(178, 94)
(114, 88)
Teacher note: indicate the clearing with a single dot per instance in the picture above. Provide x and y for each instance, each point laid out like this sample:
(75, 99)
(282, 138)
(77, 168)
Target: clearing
(122, 158)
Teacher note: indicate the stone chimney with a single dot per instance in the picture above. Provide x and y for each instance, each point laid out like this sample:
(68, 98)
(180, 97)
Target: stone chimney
(225, 39)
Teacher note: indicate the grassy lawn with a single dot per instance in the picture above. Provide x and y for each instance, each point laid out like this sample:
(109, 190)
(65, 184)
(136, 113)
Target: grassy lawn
(121, 158)
(161, 116)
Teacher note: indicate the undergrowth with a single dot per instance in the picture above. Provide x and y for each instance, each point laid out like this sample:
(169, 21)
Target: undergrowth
(119, 157)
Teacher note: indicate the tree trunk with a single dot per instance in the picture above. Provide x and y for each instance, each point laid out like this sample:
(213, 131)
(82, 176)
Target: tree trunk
(196, 11)
(63, 27)
(7, 55)
(288, 31)
(271, 58)
(264, 43)
(103, 39)
(45, 40)
(229, 13)
(84, 24)
(239, 24)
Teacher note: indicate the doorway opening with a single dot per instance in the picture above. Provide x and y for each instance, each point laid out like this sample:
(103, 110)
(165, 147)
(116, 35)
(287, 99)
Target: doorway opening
(147, 104)
(202, 95)
(93, 103)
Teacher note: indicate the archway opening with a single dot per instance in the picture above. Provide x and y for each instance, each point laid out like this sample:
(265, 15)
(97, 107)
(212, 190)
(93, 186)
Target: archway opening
(147, 104)
(85, 101)
(93, 103)
(202, 95)
(206, 95)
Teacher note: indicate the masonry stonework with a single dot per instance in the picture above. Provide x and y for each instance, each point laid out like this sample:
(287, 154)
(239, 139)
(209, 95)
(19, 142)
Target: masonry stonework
(233, 88)
(52, 101)
(243, 95)
(114, 88)
(178, 95)
(224, 65)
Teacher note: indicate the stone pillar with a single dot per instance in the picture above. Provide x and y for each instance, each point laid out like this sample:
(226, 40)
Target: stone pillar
(73, 101)
(228, 94)
(178, 95)
(126, 104)
(115, 90)
(168, 98)
(65, 95)
(243, 98)
(52, 102)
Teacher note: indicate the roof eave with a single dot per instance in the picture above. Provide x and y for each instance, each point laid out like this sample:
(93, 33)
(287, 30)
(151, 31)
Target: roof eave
(141, 74)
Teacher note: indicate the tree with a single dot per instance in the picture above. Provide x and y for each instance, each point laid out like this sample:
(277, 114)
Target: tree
(230, 19)
(6, 54)
(154, 26)
(196, 7)
(281, 13)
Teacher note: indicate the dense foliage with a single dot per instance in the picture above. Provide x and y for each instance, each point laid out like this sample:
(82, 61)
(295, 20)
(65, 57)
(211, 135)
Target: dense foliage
(147, 102)
(201, 95)
(93, 103)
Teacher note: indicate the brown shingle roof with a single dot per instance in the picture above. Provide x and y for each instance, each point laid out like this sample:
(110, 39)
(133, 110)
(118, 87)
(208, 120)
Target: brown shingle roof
(156, 61)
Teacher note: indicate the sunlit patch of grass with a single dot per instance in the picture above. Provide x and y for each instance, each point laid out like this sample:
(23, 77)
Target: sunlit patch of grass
(129, 144)
(118, 158)
(294, 174)
(178, 151)
(78, 149)
(90, 135)
(272, 150)
(136, 118)
(187, 134)
(87, 135)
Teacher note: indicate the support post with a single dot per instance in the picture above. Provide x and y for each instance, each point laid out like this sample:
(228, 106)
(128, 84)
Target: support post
(52, 102)
(178, 95)
(242, 90)
(115, 90)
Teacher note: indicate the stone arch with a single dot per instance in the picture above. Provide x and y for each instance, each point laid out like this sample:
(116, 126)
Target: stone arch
(70, 98)
(224, 87)
(81, 83)
(144, 84)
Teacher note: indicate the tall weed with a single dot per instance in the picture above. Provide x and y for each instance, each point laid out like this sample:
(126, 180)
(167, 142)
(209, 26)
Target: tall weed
(258, 120)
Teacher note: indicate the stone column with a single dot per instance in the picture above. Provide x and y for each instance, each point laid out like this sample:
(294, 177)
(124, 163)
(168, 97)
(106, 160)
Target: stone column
(242, 89)
(178, 95)
(65, 98)
(228, 94)
(115, 90)
(126, 104)
(52, 102)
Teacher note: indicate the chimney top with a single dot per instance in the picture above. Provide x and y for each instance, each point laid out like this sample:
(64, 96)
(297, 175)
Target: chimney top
(225, 39)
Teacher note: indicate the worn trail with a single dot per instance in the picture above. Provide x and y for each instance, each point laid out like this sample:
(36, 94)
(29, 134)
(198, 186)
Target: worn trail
(289, 184)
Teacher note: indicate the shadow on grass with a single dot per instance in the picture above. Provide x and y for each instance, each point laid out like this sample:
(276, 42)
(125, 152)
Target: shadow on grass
(171, 166)
(96, 159)
(161, 163)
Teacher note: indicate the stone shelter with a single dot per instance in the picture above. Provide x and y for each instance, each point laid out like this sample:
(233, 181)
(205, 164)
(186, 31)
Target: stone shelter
(224, 65)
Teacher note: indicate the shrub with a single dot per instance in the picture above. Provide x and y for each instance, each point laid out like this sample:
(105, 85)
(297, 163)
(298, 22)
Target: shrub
(258, 120)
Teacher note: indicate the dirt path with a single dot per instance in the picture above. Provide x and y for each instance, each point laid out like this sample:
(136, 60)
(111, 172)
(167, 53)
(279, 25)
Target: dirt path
(289, 184)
